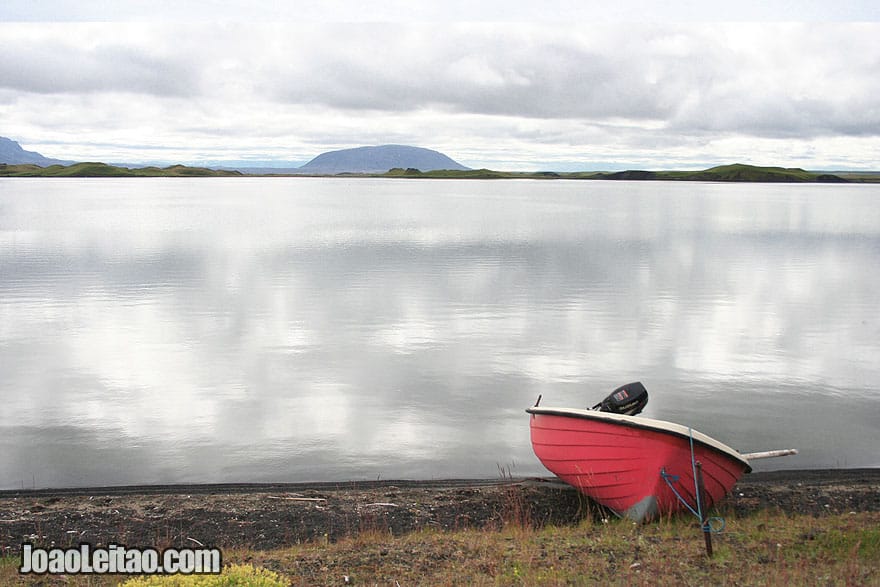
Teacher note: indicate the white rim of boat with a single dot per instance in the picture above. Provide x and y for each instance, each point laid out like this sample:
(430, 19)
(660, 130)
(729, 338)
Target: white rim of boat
(646, 423)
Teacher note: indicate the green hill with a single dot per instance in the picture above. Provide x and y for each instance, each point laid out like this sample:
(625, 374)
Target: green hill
(104, 170)
(741, 172)
(449, 173)
(736, 172)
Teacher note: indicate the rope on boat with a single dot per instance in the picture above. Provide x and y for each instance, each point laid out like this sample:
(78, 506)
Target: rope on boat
(713, 524)
(670, 479)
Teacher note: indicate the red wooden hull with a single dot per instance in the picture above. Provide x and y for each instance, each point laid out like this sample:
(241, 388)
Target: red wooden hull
(621, 461)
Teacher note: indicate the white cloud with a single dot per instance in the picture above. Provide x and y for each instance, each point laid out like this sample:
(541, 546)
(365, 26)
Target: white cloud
(490, 94)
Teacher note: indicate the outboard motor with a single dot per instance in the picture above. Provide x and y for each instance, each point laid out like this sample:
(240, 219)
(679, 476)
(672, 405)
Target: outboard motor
(629, 399)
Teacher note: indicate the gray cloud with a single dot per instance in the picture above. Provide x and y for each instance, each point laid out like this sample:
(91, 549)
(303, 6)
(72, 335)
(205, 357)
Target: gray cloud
(686, 78)
(523, 90)
(535, 72)
(63, 67)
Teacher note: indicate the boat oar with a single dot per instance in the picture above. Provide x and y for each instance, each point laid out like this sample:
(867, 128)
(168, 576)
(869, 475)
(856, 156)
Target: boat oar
(769, 454)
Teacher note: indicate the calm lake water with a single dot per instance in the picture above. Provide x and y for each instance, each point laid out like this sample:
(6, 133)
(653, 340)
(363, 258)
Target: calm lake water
(260, 329)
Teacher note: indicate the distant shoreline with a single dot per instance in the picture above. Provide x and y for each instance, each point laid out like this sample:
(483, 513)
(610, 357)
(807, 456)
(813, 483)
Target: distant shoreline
(735, 173)
(781, 476)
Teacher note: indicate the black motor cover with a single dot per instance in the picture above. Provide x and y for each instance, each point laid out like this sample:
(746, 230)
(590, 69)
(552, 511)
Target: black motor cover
(629, 399)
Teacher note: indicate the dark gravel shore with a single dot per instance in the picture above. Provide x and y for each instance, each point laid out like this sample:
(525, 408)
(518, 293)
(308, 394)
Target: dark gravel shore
(264, 516)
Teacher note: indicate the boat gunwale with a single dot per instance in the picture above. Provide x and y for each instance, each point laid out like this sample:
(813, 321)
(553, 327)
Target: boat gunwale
(645, 424)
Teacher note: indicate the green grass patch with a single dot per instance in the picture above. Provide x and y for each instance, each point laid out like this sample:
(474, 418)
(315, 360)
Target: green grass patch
(234, 575)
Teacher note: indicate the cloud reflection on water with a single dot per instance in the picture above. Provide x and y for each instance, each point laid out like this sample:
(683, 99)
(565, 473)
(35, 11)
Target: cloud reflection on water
(296, 329)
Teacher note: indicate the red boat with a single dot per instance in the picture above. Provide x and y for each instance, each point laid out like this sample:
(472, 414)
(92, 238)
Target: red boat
(637, 467)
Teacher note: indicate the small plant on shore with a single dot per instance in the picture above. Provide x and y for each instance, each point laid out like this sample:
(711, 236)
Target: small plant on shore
(243, 575)
(515, 510)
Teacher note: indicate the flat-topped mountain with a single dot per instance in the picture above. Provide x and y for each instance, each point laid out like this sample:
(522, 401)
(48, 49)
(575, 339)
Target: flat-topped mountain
(379, 160)
(12, 153)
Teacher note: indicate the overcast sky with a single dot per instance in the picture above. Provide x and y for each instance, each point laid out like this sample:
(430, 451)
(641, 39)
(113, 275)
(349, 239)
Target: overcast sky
(572, 85)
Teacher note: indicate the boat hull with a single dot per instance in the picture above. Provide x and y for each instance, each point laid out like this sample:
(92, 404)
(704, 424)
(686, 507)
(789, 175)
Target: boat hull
(630, 464)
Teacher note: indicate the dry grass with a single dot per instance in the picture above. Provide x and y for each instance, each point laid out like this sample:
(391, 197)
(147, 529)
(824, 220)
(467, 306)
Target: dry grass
(763, 549)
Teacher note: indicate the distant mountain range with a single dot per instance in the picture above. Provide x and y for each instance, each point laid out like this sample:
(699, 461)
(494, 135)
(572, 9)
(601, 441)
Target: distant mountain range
(399, 161)
(358, 160)
(379, 160)
(12, 153)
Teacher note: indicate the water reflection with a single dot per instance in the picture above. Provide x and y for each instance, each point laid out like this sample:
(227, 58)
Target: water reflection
(289, 330)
